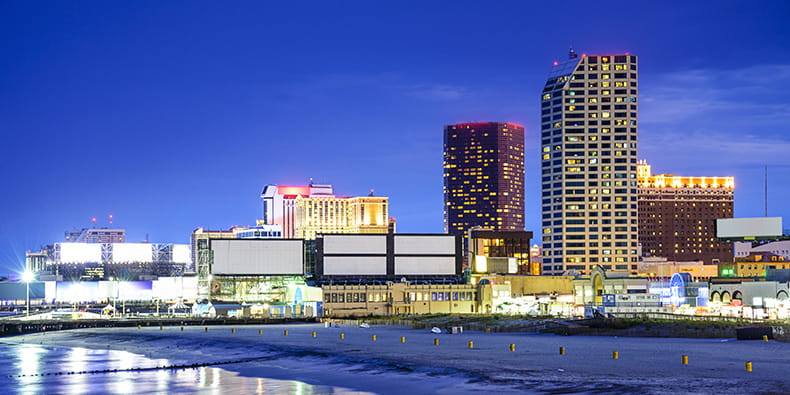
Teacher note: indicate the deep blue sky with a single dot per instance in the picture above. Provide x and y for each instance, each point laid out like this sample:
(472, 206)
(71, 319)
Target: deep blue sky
(174, 115)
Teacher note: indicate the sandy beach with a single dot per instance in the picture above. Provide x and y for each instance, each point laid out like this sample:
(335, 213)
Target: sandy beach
(644, 365)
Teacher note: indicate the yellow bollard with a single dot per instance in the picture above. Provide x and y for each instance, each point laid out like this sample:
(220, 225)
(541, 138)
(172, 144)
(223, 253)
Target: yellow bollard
(685, 360)
(232, 330)
(488, 330)
(139, 326)
(435, 342)
(182, 329)
(373, 337)
(342, 336)
(285, 332)
(206, 329)
(403, 339)
(161, 328)
(765, 338)
(471, 344)
(615, 355)
(512, 347)
(314, 334)
(748, 366)
(260, 331)
(562, 350)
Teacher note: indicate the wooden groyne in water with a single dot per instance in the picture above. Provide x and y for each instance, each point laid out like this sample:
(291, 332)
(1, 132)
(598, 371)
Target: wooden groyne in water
(13, 327)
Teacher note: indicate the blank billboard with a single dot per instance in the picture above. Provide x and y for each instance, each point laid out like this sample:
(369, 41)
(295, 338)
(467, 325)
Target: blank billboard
(257, 257)
(354, 265)
(429, 245)
(425, 265)
(748, 228)
(182, 253)
(77, 291)
(132, 252)
(355, 244)
(80, 252)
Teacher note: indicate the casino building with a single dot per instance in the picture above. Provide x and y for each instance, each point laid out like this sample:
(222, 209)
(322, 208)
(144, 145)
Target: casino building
(483, 177)
(677, 215)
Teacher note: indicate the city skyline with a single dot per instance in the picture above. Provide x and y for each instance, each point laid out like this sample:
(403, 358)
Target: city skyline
(172, 118)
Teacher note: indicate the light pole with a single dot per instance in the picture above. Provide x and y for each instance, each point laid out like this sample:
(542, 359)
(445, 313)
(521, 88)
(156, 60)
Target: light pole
(27, 277)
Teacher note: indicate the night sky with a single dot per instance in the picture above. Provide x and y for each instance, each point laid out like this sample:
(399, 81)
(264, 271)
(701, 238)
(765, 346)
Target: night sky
(173, 115)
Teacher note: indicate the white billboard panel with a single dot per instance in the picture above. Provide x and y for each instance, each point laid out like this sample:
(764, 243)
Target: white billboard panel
(174, 288)
(444, 244)
(80, 252)
(182, 253)
(132, 252)
(77, 291)
(355, 265)
(424, 265)
(353, 244)
(745, 228)
(257, 257)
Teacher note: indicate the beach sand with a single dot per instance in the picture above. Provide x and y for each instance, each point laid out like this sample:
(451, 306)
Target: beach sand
(645, 365)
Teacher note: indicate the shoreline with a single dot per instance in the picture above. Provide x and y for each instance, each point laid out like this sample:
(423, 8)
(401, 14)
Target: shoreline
(644, 364)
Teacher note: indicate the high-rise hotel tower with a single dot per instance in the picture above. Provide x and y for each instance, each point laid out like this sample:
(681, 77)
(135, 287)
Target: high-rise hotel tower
(483, 177)
(589, 164)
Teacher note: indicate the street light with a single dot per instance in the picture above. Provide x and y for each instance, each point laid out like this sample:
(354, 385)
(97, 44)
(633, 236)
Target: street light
(27, 277)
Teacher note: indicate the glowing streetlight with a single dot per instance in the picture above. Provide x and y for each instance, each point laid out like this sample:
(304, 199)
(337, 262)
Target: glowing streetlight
(27, 277)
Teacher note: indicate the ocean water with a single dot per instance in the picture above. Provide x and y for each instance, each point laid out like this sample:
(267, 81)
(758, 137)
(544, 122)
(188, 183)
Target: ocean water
(36, 369)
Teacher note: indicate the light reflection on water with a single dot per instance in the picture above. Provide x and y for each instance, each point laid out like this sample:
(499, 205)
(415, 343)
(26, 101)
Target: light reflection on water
(27, 364)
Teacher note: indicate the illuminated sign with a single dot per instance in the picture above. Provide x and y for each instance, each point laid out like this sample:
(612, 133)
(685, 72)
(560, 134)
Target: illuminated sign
(132, 252)
(80, 252)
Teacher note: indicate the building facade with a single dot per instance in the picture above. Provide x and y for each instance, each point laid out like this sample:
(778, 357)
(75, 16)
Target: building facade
(374, 258)
(401, 298)
(305, 211)
(483, 177)
(83, 261)
(589, 115)
(485, 244)
(202, 257)
(745, 248)
(677, 216)
(329, 214)
(757, 264)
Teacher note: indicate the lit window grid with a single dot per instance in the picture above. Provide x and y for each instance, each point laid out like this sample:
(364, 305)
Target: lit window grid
(475, 169)
(554, 248)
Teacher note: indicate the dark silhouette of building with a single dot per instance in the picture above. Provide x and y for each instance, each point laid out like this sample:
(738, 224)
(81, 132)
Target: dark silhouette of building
(483, 177)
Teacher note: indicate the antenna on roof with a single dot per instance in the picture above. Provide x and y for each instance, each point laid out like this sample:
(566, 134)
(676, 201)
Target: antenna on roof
(766, 190)
(572, 54)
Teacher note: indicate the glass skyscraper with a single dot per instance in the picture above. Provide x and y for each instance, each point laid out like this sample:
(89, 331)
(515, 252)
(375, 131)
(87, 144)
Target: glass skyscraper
(589, 143)
(483, 177)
